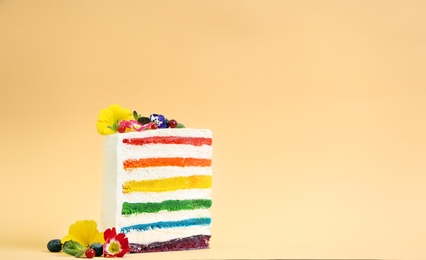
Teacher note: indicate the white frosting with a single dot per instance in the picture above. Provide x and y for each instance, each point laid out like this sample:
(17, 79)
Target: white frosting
(162, 196)
(153, 173)
(109, 189)
(183, 132)
(163, 215)
(115, 152)
(165, 151)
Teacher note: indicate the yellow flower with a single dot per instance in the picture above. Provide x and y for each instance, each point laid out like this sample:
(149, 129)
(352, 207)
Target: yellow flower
(85, 232)
(110, 116)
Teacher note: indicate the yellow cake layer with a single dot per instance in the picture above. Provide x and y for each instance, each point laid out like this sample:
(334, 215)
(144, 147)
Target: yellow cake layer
(169, 184)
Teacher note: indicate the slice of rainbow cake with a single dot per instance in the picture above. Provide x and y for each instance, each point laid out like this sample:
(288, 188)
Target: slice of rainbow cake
(157, 188)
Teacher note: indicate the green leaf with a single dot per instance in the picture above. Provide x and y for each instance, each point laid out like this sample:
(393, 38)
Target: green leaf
(180, 125)
(73, 248)
(115, 126)
(135, 115)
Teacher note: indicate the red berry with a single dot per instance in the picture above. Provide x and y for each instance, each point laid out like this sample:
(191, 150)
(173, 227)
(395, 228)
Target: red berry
(173, 123)
(121, 128)
(154, 126)
(90, 253)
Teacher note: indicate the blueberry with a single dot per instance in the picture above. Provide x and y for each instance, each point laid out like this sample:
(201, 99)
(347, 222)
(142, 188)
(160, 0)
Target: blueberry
(99, 248)
(54, 245)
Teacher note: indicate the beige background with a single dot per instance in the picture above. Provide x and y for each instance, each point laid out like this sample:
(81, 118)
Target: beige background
(317, 108)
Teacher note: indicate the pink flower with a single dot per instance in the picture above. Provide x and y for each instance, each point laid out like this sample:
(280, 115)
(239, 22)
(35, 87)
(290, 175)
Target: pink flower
(135, 125)
(116, 245)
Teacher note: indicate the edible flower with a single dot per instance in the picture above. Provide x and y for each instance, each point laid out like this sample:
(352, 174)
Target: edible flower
(133, 124)
(159, 120)
(109, 118)
(116, 119)
(116, 245)
(84, 232)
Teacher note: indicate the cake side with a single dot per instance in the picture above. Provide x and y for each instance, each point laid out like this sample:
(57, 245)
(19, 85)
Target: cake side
(109, 182)
(163, 188)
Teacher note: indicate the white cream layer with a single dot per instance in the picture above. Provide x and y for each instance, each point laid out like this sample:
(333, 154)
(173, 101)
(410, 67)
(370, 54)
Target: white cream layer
(183, 132)
(166, 234)
(164, 215)
(153, 173)
(165, 151)
(190, 194)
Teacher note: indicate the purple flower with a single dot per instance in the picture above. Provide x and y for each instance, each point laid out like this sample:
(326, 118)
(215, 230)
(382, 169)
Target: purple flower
(159, 120)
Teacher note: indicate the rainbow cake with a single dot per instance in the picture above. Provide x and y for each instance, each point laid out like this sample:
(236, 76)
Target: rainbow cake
(157, 183)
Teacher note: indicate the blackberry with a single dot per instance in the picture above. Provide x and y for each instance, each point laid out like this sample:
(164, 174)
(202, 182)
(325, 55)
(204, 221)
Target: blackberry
(144, 120)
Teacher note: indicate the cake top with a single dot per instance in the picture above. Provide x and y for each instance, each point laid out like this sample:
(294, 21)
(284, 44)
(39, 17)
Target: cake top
(116, 119)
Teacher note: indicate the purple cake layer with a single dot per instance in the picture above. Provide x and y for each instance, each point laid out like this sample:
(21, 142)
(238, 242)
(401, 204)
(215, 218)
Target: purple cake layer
(188, 243)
